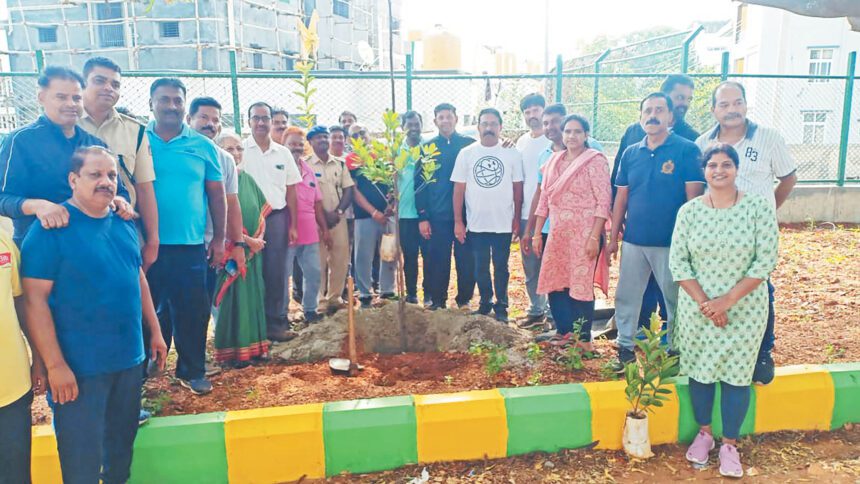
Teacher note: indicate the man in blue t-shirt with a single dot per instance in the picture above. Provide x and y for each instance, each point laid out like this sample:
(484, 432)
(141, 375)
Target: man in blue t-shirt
(655, 177)
(86, 296)
(188, 188)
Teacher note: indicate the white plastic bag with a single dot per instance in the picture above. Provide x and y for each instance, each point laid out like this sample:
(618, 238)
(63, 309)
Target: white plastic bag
(388, 248)
(635, 438)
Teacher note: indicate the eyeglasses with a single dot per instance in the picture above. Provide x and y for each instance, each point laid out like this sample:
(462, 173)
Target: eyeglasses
(263, 119)
(359, 134)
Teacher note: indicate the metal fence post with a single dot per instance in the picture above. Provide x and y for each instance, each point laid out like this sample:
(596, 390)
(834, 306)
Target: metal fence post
(409, 82)
(724, 67)
(846, 119)
(559, 70)
(234, 87)
(40, 61)
(597, 86)
(685, 54)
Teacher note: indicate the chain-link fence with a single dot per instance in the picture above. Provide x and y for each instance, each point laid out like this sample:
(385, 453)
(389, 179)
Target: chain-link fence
(807, 111)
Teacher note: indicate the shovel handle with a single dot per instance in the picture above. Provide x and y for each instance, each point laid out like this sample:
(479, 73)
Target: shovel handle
(351, 319)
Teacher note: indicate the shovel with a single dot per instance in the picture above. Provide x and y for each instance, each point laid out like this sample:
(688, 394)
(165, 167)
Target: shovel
(348, 366)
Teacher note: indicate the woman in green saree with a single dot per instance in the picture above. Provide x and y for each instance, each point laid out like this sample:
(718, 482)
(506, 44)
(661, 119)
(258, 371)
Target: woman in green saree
(240, 331)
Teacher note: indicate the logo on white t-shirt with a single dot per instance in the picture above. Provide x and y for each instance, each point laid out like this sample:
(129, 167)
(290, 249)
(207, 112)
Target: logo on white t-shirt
(489, 171)
(5, 259)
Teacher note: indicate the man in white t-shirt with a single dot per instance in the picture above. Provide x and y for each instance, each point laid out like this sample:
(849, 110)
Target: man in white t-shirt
(489, 178)
(272, 166)
(531, 145)
(764, 161)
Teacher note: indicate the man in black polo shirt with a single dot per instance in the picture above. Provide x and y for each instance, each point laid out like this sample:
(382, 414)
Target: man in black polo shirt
(679, 88)
(435, 204)
(655, 177)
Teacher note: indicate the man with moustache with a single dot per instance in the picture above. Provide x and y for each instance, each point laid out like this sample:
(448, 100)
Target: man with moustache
(434, 203)
(34, 160)
(188, 188)
(655, 177)
(86, 302)
(204, 116)
(346, 120)
(411, 241)
(337, 141)
(125, 137)
(337, 188)
(765, 159)
(489, 179)
(531, 145)
(679, 88)
(272, 166)
(280, 123)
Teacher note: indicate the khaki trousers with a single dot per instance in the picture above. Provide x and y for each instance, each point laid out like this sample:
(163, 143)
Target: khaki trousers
(334, 265)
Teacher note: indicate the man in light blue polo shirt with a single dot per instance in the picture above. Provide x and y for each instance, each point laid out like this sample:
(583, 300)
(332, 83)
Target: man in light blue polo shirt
(188, 186)
(655, 177)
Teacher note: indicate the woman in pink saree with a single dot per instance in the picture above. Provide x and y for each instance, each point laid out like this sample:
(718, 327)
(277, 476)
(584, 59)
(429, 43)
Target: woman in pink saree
(576, 194)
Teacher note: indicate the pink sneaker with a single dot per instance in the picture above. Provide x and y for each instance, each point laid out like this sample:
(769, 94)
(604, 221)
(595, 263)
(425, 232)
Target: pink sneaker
(698, 451)
(730, 461)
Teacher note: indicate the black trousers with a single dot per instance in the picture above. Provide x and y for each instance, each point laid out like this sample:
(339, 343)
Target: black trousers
(411, 243)
(438, 265)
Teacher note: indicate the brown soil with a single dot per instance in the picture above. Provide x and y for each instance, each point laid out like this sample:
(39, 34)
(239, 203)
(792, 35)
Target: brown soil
(778, 458)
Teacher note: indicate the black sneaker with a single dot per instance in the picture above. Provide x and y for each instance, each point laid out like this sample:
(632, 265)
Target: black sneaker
(502, 316)
(764, 369)
(483, 310)
(313, 317)
(625, 356)
(436, 307)
(390, 296)
(365, 302)
(534, 321)
(412, 299)
(198, 386)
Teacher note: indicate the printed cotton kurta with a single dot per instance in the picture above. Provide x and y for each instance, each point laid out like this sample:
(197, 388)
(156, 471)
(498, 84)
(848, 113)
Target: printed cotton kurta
(718, 248)
(572, 194)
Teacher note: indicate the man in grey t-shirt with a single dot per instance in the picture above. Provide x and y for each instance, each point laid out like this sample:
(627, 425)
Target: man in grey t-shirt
(204, 116)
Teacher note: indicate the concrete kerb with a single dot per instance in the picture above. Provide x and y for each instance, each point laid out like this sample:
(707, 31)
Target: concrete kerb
(318, 440)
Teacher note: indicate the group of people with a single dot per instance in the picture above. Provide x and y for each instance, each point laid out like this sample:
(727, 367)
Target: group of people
(132, 237)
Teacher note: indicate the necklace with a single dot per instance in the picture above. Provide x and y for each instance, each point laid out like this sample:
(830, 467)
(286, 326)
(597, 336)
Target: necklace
(735, 202)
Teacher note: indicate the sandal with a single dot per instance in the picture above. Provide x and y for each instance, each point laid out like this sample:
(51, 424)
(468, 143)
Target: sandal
(559, 340)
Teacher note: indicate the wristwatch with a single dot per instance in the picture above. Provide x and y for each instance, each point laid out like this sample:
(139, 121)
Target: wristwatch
(241, 244)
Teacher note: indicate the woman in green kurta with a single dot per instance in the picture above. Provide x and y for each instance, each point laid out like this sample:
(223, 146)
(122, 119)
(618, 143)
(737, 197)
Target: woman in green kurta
(723, 247)
(240, 332)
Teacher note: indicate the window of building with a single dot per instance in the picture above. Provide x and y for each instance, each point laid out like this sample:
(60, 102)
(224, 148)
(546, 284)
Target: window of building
(340, 8)
(741, 26)
(47, 35)
(739, 65)
(110, 34)
(820, 62)
(257, 60)
(814, 123)
(169, 30)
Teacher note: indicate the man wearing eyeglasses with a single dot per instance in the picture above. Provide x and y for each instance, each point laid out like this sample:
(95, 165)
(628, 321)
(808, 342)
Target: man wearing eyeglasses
(272, 166)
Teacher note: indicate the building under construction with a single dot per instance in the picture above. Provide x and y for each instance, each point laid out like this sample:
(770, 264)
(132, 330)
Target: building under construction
(198, 35)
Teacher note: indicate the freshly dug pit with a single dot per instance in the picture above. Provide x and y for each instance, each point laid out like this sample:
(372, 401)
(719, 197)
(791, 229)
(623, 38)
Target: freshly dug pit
(377, 331)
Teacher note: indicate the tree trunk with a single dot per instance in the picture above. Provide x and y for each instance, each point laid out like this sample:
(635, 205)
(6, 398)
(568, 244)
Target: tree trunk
(401, 297)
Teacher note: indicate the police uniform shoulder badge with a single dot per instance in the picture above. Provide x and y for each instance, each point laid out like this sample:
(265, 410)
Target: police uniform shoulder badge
(668, 167)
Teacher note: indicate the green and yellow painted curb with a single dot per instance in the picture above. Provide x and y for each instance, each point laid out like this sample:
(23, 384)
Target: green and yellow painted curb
(286, 443)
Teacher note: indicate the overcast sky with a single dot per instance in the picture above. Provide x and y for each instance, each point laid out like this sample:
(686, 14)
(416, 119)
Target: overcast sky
(518, 25)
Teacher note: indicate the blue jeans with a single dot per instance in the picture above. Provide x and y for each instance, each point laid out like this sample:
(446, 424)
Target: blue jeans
(566, 311)
(308, 258)
(734, 402)
(178, 283)
(368, 235)
(769, 338)
(15, 437)
(531, 268)
(95, 432)
(487, 246)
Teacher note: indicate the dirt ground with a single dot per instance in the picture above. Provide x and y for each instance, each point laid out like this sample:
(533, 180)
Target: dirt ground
(818, 321)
